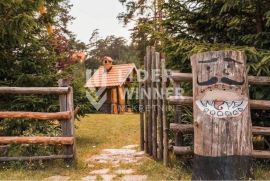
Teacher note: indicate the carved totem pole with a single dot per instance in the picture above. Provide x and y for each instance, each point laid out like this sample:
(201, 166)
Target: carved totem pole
(222, 122)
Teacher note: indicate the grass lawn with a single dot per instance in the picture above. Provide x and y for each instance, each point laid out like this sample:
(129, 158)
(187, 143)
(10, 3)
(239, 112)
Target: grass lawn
(96, 132)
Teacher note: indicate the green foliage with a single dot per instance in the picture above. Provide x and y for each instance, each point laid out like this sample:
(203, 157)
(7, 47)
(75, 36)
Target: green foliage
(192, 26)
(115, 47)
(28, 58)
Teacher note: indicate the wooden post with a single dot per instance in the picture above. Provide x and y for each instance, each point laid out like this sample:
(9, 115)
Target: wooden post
(164, 115)
(141, 109)
(114, 107)
(222, 123)
(66, 104)
(121, 97)
(154, 103)
(149, 100)
(145, 102)
(159, 109)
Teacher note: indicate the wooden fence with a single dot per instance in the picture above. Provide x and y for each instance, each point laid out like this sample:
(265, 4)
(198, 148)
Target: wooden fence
(65, 116)
(153, 118)
(180, 129)
(154, 127)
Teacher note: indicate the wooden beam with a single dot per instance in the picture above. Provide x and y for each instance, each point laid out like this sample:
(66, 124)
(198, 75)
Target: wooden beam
(186, 100)
(256, 130)
(260, 104)
(36, 115)
(261, 154)
(182, 128)
(23, 158)
(187, 150)
(183, 150)
(253, 80)
(180, 100)
(189, 129)
(37, 140)
(34, 90)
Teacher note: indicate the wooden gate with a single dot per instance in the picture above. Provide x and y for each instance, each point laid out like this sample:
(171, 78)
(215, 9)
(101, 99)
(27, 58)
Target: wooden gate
(154, 122)
(65, 116)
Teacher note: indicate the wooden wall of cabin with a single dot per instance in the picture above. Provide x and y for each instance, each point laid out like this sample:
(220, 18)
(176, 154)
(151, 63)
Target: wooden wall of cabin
(115, 103)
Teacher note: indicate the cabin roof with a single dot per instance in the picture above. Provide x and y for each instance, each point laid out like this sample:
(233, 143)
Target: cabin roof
(117, 76)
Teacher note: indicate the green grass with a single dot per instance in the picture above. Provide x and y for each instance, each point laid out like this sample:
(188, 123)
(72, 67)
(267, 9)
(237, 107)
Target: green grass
(99, 131)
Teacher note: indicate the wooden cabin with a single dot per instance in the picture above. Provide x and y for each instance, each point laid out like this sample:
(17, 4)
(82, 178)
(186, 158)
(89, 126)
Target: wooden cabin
(114, 79)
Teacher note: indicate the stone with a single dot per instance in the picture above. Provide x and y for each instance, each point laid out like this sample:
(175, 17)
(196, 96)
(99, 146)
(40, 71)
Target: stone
(139, 154)
(119, 151)
(57, 178)
(134, 178)
(90, 178)
(130, 147)
(107, 177)
(90, 166)
(100, 172)
(124, 171)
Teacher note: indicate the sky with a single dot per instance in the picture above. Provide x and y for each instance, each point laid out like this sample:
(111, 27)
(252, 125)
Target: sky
(97, 14)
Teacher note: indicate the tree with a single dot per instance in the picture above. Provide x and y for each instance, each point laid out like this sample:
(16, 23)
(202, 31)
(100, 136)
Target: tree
(30, 50)
(115, 47)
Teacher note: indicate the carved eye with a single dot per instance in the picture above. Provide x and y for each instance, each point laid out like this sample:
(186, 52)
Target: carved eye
(208, 68)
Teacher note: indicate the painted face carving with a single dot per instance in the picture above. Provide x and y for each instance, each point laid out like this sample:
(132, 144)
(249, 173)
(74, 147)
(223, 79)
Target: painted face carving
(220, 93)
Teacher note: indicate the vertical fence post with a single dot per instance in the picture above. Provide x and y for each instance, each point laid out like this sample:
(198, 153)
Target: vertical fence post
(67, 126)
(154, 106)
(149, 100)
(164, 109)
(159, 109)
(141, 109)
(70, 126)
(145, 102)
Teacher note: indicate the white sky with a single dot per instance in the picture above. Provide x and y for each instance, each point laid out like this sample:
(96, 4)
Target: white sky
(97, 14)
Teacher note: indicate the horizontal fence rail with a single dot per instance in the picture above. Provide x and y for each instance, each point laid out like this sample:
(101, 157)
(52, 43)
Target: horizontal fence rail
(65, 116)
(36, 115)
(189, 129)
(34, 90)
(33, 158)
(37, 140)
(187, 77)
(187, 150)
(186, 100)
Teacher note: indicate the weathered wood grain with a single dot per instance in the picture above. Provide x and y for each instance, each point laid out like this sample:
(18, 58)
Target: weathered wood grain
(182, 150)
(159, 109)
(222, 140)
(145, 102)
(141, 109)
(36, 115)
(154, 103)
(186, 100)
(182, 128)
(37, 140)
(34, 90)
(164, 113)
(261, 154)
(149, 100)
(33, 158)
(187, 77)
